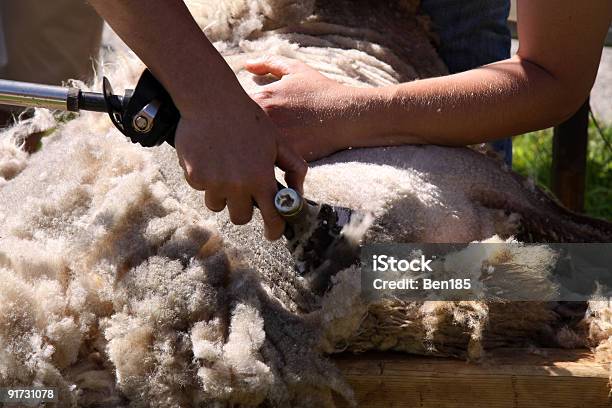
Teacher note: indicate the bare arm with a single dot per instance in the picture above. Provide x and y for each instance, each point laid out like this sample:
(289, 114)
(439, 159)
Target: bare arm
(225, 143)
(167, 39)
(546, 82)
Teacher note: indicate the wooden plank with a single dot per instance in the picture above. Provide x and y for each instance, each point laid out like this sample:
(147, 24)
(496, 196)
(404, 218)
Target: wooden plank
(569, 159)
(510, 378)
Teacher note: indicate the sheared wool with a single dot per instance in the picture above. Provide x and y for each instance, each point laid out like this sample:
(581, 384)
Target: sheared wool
(235, 20)
(121, 289)
(106, 269)
(12, 158)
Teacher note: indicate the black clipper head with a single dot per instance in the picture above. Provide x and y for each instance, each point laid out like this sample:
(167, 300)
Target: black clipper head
(147, 115)
(316, 239)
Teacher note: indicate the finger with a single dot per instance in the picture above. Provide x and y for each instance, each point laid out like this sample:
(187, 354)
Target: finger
(214, 201)
(274, 225)
(191, 178)
(181, 162)
(294, 166)
(240, 209)
(193, 183)
(275, 65)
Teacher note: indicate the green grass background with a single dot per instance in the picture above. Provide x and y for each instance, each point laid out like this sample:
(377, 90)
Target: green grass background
(532, 157)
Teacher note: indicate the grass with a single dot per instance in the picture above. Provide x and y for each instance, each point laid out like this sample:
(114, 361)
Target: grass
(532, 157)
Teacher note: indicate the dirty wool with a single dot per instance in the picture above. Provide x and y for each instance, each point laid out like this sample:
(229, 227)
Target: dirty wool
(121, 289)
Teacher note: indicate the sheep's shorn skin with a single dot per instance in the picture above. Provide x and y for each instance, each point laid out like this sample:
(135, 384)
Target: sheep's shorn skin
(121, 289)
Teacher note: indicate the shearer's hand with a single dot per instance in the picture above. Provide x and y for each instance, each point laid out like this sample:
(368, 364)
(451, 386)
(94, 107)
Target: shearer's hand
(314, 113)
(231, 156)
(225, 143)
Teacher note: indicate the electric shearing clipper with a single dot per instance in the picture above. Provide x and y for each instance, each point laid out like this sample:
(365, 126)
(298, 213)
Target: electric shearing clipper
(315, 237)
(147, 116)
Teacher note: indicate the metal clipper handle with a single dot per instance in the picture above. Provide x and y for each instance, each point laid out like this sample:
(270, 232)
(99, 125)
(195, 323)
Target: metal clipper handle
(147, 115)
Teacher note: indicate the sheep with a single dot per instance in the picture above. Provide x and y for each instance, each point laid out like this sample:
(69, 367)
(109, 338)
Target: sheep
(120, 288)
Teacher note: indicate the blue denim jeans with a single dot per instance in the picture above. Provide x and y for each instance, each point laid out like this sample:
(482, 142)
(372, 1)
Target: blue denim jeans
(472, 33)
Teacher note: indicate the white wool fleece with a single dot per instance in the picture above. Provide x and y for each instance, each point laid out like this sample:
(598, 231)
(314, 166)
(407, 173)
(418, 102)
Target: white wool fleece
(121, 289)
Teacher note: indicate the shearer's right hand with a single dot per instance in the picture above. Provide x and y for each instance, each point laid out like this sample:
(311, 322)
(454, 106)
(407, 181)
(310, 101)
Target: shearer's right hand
(226, 144)
(230, 153)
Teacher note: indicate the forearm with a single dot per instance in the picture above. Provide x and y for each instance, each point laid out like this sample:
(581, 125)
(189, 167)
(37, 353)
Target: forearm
(167, 39)
(545, 83)
(499, 100)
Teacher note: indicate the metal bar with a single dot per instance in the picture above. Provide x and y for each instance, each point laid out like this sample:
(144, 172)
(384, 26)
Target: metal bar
(92, 101)
(34, 95)
(569, 159)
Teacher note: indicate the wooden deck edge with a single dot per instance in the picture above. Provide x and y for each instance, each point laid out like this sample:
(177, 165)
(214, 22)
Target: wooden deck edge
(506, 378)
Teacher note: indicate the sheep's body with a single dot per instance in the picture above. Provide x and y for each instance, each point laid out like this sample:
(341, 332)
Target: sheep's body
(116, 280)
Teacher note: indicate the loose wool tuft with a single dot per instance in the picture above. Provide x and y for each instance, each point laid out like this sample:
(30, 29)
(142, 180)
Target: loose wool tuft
(12, 158)
(120, 288)
(234, 20)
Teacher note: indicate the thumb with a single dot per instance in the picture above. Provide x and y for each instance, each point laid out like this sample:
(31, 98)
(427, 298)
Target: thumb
(275, 65)
(294, 166)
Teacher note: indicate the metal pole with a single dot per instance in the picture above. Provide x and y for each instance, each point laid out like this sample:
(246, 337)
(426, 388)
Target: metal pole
(36, 95)
(569, 159)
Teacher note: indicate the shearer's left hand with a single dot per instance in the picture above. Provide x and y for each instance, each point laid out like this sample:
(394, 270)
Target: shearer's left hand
(316, 114)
